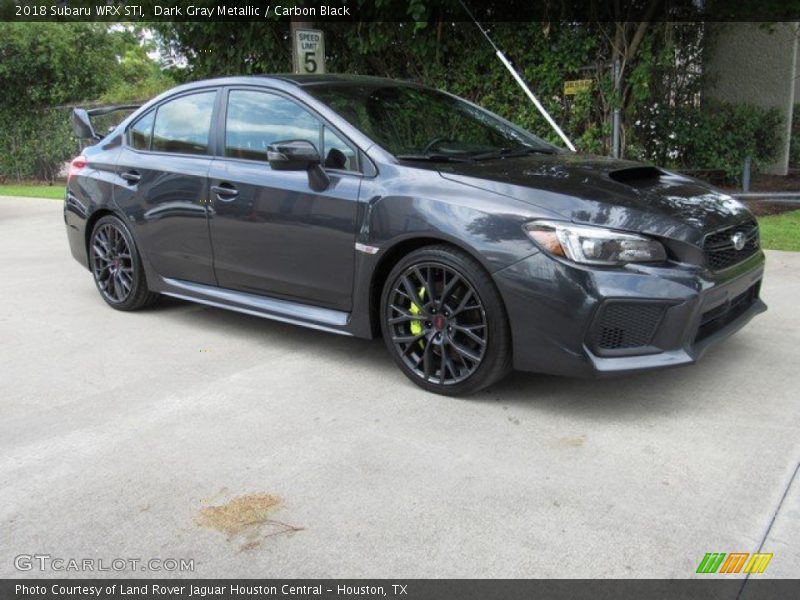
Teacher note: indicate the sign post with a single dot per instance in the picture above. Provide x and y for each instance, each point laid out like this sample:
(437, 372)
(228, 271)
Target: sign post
(308, 50)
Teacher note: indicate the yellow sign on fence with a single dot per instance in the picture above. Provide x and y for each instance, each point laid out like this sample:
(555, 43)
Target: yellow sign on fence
(574, 86)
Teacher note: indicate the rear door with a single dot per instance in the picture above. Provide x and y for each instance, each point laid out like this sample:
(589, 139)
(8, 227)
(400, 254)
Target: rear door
(271, 233)
(163, 171)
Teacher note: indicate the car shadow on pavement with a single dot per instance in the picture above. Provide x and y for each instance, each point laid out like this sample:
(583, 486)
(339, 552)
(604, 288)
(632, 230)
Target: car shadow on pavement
(248, 328)
(625, 396)
(608, 398)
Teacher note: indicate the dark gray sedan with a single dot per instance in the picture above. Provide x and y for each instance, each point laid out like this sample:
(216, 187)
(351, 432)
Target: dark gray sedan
(365, 206)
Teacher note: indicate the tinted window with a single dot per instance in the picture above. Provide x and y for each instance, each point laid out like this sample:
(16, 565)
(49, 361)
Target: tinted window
(142, 131)
(257, 119)
(183, 125)
(417, 121)
(338, 154)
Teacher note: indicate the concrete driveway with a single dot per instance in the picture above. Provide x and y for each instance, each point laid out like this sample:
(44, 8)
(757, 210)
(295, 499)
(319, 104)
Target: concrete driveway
(261, 449)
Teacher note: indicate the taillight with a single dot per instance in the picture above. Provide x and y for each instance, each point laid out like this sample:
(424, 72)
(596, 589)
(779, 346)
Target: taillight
(76, 166)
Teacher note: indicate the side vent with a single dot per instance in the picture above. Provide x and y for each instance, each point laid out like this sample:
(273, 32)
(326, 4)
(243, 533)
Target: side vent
(636, 176)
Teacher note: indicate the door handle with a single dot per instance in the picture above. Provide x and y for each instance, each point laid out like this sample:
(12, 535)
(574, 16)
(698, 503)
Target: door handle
(225, 192)
(131, 177)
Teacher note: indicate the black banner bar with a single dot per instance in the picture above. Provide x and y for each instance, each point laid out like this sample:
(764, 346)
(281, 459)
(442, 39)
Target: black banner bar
(733, 588)
(398, 10)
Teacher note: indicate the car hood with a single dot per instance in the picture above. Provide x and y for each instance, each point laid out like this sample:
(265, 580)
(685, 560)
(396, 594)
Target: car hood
(606, 192)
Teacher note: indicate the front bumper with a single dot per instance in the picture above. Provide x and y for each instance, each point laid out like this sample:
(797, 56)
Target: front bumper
(573, 320)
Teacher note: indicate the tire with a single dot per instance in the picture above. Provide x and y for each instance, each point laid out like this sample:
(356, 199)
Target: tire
(117, 267)
(456, 343)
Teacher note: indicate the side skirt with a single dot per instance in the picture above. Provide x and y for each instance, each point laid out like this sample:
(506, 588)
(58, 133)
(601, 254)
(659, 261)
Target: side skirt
(314, 317)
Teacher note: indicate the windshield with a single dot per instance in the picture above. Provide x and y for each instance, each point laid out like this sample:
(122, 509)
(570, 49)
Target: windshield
(413, 122)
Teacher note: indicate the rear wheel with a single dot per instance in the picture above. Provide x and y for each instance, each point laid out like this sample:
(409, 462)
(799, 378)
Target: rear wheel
(444, 322)
(117, 267)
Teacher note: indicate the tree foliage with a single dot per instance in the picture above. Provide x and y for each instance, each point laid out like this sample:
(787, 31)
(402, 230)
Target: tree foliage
(47, 64)
(136, 76)
(44, 67)
(660, 93)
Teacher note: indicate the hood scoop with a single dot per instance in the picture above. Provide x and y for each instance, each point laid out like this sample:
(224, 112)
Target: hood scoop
(637, 176)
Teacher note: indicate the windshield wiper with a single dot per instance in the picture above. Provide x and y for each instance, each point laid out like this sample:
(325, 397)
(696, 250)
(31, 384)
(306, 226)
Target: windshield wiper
(511, 152)
(434, 157)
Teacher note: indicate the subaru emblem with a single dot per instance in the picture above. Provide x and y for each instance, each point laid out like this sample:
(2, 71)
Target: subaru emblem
(738, 239)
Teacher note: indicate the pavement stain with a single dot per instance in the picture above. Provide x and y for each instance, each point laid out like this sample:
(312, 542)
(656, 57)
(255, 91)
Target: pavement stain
(572, 442)
(251, 545)
(247, 516)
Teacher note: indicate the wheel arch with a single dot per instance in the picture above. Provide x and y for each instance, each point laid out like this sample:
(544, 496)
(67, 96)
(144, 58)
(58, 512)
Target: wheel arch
(105, 211)
(394, 254)
(92, 221)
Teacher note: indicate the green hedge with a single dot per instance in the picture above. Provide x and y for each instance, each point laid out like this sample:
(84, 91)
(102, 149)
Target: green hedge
(43, 65)
(723, 135)
(35, 144)
(716, 137)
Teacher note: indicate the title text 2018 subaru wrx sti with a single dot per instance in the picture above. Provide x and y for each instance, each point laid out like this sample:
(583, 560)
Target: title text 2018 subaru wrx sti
(365, 206)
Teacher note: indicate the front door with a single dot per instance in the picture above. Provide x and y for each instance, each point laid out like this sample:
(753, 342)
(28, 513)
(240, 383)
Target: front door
(271, 233)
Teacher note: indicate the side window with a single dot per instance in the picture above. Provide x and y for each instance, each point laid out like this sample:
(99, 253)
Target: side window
(140, 134)
(183, 125)
(338, 154)
(257, 119)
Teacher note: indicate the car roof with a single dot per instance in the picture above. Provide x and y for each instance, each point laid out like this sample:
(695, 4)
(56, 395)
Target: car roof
(301, 81)
(328, 78)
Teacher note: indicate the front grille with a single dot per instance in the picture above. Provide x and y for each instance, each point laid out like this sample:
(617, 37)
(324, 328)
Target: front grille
(624, 325)
(715, 319)
(719, 250)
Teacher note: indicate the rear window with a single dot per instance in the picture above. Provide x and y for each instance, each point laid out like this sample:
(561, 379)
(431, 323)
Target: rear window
(183, 125)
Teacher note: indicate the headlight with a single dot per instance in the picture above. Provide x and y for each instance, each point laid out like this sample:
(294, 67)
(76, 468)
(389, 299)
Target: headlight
(594, 245)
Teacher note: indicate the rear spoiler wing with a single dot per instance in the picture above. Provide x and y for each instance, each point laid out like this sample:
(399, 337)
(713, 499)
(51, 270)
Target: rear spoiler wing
(82, 119)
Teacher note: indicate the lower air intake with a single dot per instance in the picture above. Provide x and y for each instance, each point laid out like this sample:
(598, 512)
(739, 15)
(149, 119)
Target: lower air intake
(624, 325)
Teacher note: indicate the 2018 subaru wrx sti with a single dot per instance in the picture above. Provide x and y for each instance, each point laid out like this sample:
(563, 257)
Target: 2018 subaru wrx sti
(365, 206)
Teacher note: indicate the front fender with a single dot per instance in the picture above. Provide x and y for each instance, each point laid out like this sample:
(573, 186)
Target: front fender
(420, 205)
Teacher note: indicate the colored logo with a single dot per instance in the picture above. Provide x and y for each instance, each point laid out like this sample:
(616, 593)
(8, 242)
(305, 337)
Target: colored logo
(735, 562)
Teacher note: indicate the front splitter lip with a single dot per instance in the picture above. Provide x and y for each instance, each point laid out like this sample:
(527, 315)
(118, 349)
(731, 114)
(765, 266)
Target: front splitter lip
(609, 367)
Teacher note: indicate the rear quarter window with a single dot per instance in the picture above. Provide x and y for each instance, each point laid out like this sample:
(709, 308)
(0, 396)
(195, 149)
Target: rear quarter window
(141, 133)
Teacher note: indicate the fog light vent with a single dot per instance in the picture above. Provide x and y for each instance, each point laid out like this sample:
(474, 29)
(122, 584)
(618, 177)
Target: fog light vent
(624, 325)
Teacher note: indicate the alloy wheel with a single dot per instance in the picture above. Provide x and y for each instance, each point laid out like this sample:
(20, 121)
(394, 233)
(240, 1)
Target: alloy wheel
(112, 263)
(437, 323)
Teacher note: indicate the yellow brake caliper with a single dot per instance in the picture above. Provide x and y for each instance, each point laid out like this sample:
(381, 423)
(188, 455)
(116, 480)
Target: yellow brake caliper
(416, 326)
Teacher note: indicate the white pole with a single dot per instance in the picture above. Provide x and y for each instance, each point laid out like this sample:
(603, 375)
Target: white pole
(535, 100)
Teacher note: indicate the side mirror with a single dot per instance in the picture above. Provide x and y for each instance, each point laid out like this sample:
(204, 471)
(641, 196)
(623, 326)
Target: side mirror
(293, 155)
(82, 126)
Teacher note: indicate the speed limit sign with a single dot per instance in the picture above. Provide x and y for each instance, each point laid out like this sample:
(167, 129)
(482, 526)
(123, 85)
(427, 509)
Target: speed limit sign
(309, 52)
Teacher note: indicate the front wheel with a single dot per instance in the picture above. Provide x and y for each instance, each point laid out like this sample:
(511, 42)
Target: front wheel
(117, 267)
(444, 322)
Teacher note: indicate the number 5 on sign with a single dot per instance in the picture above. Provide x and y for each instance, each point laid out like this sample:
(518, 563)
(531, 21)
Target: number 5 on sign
(309, 46)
